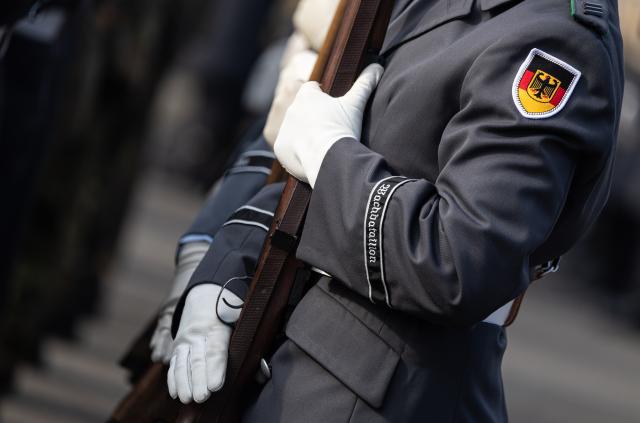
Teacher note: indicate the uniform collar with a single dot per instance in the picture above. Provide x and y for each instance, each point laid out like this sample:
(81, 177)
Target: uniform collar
(412, 18)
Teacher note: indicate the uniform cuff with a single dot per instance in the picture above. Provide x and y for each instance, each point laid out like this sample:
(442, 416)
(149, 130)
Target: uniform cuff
(332, 239)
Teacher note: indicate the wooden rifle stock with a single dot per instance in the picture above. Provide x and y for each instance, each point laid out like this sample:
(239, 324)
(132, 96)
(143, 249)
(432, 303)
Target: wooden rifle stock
(149, 400)
(354, 39)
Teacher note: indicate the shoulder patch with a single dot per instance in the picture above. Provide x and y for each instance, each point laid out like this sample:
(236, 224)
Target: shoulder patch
(543, 85)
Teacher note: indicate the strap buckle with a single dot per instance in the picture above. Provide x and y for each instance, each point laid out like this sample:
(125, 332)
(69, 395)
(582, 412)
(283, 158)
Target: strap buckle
(283, 240)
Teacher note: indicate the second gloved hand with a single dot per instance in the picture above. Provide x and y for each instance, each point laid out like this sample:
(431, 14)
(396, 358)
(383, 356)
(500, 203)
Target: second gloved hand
(189, 256)
(199, 362)
(315, 121)
(295, 73)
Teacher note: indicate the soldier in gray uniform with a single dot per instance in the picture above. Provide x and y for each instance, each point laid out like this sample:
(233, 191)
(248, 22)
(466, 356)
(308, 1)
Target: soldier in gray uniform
(482, 156)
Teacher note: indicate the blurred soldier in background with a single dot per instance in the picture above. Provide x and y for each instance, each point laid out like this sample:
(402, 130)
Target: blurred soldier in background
(77, 79)
(11, 11)
(613, 247)
(36, 54)
(197, 141)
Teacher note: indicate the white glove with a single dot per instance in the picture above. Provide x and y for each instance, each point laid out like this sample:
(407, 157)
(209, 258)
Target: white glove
(315, 121)
(313, 18)
(189, 257)
(292, 76)
(296, 43)
(199, 362)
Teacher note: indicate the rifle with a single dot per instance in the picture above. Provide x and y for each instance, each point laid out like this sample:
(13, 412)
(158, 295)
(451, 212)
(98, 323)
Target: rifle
(354, 39)
(149, 400)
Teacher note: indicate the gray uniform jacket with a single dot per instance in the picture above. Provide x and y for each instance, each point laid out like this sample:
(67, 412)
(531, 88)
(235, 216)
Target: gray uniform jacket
(486, 150)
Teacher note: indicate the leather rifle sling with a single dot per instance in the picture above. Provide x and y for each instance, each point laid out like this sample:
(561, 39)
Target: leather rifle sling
(358, 33)
(539, 272)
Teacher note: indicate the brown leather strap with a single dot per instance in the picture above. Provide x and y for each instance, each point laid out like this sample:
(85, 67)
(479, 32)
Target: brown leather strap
(513, 313)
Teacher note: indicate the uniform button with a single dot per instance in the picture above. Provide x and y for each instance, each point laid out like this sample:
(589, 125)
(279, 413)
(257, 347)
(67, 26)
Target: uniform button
(264, 374)
(265, 368)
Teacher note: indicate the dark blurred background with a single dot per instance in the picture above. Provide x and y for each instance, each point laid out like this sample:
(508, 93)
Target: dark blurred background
(116, 117)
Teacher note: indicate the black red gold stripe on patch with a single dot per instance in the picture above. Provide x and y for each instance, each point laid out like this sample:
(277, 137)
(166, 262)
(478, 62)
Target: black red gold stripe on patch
(543, 85)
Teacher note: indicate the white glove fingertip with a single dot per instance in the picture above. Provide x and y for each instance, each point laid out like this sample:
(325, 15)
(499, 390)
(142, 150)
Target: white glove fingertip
(216, 363)
(154, 339)
(171, 379)
(361, 90)
(201, 396)
(156, 355)
(373, 73)
(199, 372)
(185, 398)
(378, 69)
(182, 375)
(216, 384)
(165, 348)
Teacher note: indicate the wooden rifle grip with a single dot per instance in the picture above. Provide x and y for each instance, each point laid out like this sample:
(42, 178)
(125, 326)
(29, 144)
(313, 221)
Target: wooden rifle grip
(329, 41)
(148, 399)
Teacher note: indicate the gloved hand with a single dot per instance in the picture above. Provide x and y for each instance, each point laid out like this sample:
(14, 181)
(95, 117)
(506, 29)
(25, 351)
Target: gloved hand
(315, 121)
(199, 362)
(313, 18)
(296, 43)
(189, 257)
(292, 76)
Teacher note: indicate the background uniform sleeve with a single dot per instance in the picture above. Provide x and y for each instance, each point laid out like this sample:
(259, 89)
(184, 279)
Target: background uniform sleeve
(233, 255)
(455, 249)
(240, 183)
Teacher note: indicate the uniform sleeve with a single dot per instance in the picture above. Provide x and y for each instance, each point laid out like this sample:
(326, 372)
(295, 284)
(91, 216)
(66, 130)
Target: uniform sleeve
(455, 249)
(233, 255)
(239, 184)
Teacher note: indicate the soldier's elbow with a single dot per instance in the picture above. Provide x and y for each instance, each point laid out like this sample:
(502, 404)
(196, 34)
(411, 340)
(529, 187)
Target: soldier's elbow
(463, 309)
(461, 315)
